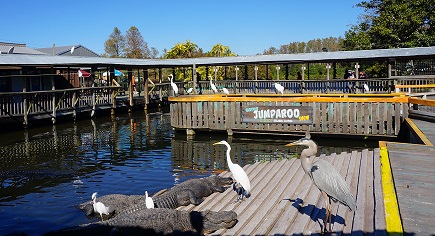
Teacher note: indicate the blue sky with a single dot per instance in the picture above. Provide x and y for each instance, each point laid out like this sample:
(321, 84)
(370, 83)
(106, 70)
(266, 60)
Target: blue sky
(247, 27)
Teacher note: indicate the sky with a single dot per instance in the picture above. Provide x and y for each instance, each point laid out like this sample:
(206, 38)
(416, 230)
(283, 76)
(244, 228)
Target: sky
(247, 27)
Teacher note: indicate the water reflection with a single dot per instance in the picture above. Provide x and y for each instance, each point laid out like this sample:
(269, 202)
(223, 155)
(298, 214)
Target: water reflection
(46, 171)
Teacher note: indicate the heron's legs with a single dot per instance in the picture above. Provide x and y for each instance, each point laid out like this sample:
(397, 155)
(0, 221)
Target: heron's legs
(327, 213)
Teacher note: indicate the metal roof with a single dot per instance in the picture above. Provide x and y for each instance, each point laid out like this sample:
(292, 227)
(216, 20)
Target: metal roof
(16, 48)
(318, 57)
(79, 50)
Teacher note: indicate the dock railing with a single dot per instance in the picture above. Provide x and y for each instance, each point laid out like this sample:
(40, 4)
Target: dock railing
(300, 86)
(51, 102)
(331, 114)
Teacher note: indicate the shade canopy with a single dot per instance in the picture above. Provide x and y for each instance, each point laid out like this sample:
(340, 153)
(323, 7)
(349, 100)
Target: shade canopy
(117, 73)
(83, 73)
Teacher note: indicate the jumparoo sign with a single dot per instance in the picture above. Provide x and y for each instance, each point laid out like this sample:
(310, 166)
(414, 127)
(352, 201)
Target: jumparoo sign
(277, 114)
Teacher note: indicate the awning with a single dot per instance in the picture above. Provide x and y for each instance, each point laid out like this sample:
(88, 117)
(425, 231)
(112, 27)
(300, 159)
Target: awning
(83, 73)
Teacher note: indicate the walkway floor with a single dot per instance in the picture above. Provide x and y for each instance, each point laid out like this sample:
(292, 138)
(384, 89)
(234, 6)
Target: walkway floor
(284, 201)
(427, 128)
(414, 179)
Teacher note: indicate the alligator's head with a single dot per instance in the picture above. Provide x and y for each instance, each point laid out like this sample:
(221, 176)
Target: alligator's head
(220, 181)
(209, 221)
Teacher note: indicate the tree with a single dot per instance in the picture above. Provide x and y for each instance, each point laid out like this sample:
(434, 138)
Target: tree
(219, 50)
(393, 24)
(184, 50)
(114, 46)
(135, 46)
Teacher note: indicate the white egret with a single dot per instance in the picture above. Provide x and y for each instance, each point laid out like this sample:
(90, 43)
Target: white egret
(279, 88)
(239, 174)
(366, 88)
(174, 86)
(212, 86)
(190, 90)
(326, 178)
(148, 201)
(225, 90)
(99, 207)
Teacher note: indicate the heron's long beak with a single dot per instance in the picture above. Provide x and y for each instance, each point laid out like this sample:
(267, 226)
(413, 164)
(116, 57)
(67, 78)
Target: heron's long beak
(216, 143)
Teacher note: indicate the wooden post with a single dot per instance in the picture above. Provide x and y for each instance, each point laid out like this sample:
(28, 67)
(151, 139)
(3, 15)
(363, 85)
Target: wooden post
(110, 72)
(246, 72)
(256, 77)
(74, 97)
(130, 88)
(160, 81)
(235, 88)
(94, 102)
(53, 102)
(303, 78)
(146, 89)
(195, 78)
(286, 71)
(25, 102)
(328, 66)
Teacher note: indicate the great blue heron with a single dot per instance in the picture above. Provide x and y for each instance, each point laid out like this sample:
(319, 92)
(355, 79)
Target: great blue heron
(99, 206)
(149, 203)
(326, 178)
(279, 88)
(174, 86)
(239, 175)
(212, 86)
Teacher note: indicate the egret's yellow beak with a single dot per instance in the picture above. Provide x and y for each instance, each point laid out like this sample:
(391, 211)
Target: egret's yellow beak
(217, 143)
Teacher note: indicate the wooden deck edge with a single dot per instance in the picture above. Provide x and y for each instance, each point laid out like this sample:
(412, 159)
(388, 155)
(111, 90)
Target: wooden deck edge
(392, 214)
(417, 132)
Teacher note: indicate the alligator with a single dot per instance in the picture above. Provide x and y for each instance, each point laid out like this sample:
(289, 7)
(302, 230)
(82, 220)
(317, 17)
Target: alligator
(157, 221)
(115, 202)
(191, 191)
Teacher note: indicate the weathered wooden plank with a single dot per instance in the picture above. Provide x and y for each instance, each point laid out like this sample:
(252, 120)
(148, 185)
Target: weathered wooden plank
(352, 119)
(397, 118)
(367, 109)
(352, 181)
(250, 216)
(324, 113)
(289, 210)
(374, 117)
(358, 223)
(287, 193)
(389, 119)
(379, 219)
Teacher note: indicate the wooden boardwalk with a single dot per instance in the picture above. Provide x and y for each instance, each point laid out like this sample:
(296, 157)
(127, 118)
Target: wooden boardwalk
(427, 128)
(414, 180)
(285, 202)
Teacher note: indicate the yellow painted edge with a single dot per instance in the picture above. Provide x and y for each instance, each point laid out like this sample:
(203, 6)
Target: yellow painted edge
(418, 132)
(420, 101)
(415, 86)
(392, 214)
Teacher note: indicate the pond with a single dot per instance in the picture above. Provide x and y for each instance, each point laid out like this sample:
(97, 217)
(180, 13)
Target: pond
(45, 172)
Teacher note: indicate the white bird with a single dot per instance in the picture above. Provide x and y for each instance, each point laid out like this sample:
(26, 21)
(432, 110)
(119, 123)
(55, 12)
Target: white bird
(212, 86)
(72, 50)
(99, 207)
(174, 86)
(279, 88)
(190, 90)
(366, 88)
(225, 90)
(148, 201)
(239, 174)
